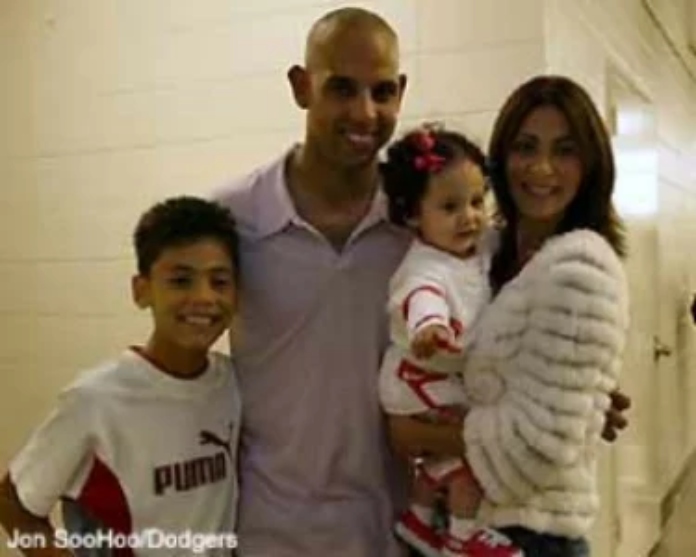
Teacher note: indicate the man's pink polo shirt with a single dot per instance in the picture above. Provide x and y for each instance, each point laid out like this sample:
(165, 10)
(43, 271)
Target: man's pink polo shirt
(317, 479)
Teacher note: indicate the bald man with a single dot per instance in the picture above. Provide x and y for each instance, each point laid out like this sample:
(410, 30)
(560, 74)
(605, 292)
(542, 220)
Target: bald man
(316, 256)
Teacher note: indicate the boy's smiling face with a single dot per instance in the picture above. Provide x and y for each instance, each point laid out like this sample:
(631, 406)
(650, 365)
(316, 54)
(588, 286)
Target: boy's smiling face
(191, 292)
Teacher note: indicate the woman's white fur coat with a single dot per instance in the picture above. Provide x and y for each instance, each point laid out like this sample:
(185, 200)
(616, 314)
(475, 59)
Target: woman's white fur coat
(546, 355)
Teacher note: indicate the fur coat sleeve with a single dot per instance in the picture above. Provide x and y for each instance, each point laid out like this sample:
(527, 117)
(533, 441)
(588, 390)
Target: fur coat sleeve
(545, 358)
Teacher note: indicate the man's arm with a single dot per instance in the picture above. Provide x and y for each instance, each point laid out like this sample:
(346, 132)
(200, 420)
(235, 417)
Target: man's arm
(18, 521)
(411, 437)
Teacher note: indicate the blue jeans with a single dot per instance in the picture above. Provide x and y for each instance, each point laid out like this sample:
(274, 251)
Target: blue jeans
(535, 544)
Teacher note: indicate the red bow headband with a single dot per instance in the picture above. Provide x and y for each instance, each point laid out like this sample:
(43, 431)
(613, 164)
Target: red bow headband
(427, 160)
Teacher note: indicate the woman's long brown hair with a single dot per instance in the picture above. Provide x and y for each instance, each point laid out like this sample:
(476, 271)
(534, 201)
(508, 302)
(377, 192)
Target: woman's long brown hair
(592, 207)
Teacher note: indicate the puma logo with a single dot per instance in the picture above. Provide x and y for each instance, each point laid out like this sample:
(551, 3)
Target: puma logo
(190, 474)
(210, 438)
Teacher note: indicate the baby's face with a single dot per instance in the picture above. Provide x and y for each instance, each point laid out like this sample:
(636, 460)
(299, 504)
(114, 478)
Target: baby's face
(452, 214)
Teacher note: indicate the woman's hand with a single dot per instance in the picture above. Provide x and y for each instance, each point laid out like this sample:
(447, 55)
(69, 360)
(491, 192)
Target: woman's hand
(614, 418)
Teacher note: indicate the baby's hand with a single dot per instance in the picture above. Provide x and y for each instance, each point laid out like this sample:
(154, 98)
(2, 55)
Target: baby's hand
(431, 339)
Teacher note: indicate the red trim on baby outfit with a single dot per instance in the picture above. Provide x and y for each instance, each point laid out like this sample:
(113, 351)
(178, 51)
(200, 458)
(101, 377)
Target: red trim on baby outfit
(426, 288)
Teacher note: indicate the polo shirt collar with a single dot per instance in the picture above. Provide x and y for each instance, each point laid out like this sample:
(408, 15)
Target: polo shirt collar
(276, 210)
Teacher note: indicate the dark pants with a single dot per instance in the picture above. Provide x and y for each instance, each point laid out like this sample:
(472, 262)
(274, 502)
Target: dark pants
(535, 544)
(77, 521)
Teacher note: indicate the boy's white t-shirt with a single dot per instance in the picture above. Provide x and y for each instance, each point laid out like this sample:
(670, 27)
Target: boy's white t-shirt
(138, 449)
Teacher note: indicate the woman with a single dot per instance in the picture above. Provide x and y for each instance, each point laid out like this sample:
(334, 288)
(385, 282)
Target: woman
(547, 351)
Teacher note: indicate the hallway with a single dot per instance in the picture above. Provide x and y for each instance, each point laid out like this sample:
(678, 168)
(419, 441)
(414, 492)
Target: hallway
(679, 538)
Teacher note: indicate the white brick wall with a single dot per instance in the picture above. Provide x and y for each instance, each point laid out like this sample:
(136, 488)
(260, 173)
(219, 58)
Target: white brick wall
(108, 105)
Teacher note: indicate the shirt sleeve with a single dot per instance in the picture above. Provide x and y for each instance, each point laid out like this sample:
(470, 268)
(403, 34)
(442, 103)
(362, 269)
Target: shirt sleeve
(55, 455)
(559, 363)
(425, 305)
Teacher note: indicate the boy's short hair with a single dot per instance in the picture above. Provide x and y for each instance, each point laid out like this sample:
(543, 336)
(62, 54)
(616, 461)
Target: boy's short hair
(179, 221)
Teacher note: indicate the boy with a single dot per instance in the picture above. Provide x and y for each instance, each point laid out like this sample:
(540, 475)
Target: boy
(145, 445)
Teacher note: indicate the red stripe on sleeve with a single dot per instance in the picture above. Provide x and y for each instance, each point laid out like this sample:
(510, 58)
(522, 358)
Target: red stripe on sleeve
(425, 319)
(426, 288)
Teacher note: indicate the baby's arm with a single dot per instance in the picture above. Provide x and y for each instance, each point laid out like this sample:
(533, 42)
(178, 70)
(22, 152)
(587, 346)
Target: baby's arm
(427, 317)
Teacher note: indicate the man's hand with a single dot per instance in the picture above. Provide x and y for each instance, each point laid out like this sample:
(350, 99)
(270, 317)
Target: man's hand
(615, 419)
(431, 339)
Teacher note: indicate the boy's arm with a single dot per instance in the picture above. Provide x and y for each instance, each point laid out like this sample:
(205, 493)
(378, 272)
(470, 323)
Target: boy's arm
(51, 464)
(18, 521)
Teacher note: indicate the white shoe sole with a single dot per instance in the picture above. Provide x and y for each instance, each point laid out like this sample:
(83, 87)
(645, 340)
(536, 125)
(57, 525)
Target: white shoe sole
(414, 541)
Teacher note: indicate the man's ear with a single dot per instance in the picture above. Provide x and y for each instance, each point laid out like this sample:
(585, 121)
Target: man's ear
(301, 87)
(403, 81)
(140, 290)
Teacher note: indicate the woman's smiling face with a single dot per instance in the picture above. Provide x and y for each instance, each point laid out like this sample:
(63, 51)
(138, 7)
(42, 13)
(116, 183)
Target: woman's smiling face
(544, 168)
